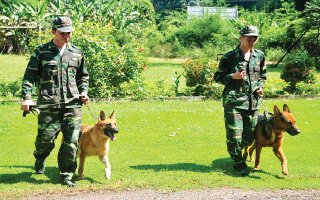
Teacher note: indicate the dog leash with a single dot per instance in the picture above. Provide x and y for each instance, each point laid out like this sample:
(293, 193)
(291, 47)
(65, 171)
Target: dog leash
(90, 111)
(265, 113)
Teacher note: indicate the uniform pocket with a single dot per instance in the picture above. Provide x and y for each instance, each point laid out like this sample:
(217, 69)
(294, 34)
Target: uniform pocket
(72, 72)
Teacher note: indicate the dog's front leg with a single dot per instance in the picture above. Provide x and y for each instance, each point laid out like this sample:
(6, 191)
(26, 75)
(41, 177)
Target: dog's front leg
(81, 165)
(279, 153)
(258, 153)
(105, 160)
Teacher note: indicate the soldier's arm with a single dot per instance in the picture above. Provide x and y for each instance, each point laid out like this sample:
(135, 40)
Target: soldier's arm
(82, 77)
(263, 72)
(31, 75)
(223, 74)
(30, 78)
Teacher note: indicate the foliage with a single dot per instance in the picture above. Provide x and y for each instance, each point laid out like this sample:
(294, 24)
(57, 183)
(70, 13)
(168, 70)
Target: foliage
(210, 29)
(121, 15)
(307, 89)
(299, 68)
(199, 74)
(10, 89)
(109, 64)
(14, 15)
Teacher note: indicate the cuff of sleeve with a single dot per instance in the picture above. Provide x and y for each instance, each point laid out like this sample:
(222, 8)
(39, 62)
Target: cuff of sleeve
(261, 84)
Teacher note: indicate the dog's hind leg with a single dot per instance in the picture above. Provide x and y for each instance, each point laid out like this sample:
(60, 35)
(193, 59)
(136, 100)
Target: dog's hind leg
(279, 153)
(105, 160)
(81, 165)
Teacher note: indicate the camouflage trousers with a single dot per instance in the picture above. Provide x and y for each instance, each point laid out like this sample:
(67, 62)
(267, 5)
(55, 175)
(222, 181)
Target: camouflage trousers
(240, 126)
(50, 123)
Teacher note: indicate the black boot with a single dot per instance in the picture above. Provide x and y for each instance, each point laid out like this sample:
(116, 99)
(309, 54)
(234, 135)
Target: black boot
(68, 183)
(39, 166)
(241, 169)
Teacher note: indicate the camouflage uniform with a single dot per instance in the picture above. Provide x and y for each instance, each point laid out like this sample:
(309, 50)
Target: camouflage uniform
(240, 101)
(60, 79)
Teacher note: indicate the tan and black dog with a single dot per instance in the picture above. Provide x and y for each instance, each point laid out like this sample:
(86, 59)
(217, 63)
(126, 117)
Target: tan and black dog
(269, 132)
(94, 141)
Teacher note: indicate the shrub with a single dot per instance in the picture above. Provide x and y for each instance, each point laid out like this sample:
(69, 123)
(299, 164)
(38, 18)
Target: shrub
(10, 89)
(298, 68)
(307, 89)
(199, 74)
(212, 29)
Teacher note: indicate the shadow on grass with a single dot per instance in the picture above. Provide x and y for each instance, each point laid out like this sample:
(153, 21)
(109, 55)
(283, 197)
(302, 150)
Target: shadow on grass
(52, 173)
(175, 167)
(225, 165)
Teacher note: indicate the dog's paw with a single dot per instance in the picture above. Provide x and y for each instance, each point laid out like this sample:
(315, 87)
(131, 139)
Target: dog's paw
(285, 172)
(251, 160)
(256, 168)
(285, 169)
(108, 173)
(80, 177)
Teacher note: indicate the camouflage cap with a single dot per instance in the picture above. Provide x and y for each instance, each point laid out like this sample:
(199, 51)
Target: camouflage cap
(249, 31)
(63, 24)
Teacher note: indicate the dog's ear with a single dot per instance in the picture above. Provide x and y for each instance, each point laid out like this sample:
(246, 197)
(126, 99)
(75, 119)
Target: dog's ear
(113, 115)
(286, 108)
(276, 110)
(102, 115)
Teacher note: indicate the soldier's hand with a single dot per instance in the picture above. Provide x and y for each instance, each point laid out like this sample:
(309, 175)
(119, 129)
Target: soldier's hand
(25, 105)
(239, 75)
(259, 92)
(84, 98)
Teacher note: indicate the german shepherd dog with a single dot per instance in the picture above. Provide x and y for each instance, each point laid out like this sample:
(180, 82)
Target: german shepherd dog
(269, 132)
(94, 141)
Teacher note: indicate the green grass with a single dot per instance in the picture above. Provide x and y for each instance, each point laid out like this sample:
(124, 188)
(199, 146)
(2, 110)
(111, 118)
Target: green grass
(146, 156)
(164, 70)
(12, 67)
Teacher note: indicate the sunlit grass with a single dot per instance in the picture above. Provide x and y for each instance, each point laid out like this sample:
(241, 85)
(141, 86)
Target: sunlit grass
(170, 145)
(12, 67)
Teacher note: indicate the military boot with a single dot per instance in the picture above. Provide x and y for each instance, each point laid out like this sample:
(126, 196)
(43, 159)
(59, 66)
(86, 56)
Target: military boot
(241, 169)
(39, 166)
(68, 183)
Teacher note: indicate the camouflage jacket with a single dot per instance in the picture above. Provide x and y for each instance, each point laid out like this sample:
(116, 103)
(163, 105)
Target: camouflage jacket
(241, 93)
(60, 79)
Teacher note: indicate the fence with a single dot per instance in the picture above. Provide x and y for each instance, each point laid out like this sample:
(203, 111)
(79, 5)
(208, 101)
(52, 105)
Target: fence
(197, 11)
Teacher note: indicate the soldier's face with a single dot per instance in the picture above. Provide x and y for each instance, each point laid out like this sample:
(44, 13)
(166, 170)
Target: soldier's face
(62, 37)
(248, 41)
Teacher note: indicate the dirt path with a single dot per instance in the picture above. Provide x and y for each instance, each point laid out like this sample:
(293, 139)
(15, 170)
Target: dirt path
(216, 194)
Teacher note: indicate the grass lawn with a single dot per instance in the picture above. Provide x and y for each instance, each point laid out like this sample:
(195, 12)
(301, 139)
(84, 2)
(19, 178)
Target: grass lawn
(12, 67)
(145, 155)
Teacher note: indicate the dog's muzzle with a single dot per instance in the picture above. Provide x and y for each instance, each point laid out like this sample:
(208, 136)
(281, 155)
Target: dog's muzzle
(110, 133)
(292, 130)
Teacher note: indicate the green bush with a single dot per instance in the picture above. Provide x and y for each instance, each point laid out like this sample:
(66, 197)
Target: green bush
(10, 89)
(307, 89)
(199, 74)
(299, 68)
(211, 29)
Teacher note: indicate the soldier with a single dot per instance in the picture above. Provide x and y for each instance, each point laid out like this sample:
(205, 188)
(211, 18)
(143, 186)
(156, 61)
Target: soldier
(243, 72)
(57, 70)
